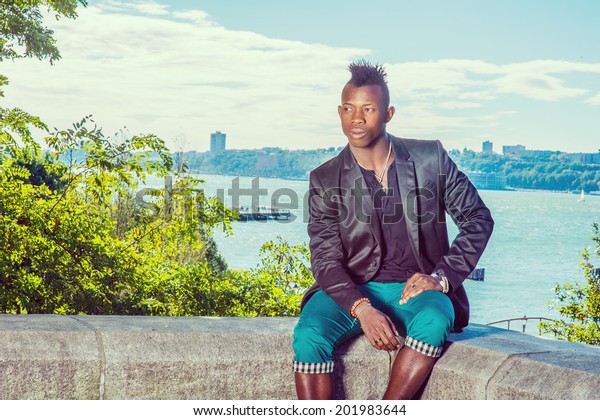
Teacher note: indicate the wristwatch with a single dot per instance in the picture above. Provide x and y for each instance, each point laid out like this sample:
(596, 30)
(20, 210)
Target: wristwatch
(441, 277)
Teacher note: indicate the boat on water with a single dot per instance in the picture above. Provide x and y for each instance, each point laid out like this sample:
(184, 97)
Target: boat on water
(261, 213)
(582, 196)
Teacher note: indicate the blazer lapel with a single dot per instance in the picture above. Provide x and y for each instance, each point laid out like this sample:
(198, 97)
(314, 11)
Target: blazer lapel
(359, 198)
(405, 171)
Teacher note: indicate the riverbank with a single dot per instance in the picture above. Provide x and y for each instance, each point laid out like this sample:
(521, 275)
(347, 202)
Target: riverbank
(305, 179)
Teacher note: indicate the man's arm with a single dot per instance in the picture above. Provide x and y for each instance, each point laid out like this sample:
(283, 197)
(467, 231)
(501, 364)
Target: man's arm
(473, 219)
(460, 199)
(326, 249)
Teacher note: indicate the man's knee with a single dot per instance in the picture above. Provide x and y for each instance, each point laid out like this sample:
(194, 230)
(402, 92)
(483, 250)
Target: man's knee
(313, 353)
(310, 345)
(433, 322)
(320, 328)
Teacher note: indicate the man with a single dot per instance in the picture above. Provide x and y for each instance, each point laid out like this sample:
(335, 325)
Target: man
(379, 246)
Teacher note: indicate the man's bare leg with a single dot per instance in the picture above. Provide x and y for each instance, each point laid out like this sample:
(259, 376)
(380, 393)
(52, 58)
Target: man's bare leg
(409, 372)
(314, 386)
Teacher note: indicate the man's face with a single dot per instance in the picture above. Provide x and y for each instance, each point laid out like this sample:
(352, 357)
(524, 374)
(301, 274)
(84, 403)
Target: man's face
(364, 115)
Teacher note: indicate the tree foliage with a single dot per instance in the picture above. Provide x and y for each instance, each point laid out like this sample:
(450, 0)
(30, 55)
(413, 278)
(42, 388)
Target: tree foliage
(266, 162)
(22, 29)
(274, 288)
(62, 251)
(551, 171)
(579, 304)
(79, 236)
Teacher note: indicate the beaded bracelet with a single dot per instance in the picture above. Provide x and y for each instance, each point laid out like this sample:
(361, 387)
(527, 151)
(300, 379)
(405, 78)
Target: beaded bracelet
(358, 302)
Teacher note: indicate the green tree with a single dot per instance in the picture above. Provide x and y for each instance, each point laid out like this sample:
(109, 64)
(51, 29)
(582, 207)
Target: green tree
(22, 31)
(274, 288)
(67, 250)
(23, 34)
(277, 285)
(579, 304)
(74, 236)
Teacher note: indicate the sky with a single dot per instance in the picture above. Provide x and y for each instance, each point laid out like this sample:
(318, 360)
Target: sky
(269, 73)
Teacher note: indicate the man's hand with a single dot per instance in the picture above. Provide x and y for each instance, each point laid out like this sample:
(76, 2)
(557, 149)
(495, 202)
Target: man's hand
(417, 284)
(378, 328)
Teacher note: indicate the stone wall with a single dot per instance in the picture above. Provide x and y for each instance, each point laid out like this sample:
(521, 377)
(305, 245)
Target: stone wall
(120, 357)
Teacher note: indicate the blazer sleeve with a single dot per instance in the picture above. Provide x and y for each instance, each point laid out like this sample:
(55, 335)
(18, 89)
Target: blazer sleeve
(462, 202)
(326, 248)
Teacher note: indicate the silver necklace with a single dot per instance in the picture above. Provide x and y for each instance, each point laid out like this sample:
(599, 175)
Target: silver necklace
(387, 160)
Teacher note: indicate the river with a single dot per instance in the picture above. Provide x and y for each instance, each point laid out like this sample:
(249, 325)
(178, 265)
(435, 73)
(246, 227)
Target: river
(536, 243)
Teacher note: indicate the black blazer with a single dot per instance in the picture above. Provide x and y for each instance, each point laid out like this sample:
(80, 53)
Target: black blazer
(345, 235)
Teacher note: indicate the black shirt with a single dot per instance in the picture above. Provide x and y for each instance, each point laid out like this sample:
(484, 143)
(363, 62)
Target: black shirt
(398, 259)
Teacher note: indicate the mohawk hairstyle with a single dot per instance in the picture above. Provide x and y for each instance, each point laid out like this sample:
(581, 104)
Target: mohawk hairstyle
(364, 73)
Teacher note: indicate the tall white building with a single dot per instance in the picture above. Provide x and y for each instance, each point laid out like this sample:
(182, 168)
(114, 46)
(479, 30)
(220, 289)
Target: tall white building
(217, 141)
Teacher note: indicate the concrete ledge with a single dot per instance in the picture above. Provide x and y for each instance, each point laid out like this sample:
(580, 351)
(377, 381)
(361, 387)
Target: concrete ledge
(112, 357)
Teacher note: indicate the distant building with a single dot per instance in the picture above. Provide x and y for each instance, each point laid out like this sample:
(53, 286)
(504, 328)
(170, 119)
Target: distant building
(217, 142)
(513, 150)
(586, 158)
(520, 150)
(539, 154)
(485, 181)
(487, 146)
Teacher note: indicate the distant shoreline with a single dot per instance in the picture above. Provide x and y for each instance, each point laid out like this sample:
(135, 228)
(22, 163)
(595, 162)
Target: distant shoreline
(252, 176)
(574, 192)
(511, 189)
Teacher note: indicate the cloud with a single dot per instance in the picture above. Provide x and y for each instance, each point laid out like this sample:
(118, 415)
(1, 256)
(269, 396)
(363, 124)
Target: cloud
(457, 105)
(538, 80)
(434, 91)
(146, 8)
(174, 72)
(198, 17)
(594, 100)
(477, 79)
(154, 69)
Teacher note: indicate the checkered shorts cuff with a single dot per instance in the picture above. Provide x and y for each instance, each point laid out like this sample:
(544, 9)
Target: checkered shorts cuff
(301, 367)
(423, 348)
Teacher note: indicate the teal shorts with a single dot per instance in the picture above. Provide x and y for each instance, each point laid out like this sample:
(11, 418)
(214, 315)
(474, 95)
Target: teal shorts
(425, 321)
